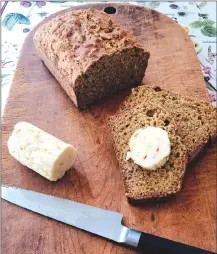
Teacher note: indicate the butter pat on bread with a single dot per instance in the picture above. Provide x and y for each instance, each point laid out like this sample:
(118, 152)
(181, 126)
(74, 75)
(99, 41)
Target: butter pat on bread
(149, 147)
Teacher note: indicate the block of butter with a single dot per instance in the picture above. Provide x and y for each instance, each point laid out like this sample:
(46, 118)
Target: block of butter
(40, 151)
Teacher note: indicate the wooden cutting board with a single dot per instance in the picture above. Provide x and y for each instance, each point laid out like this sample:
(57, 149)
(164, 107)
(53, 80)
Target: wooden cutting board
(37, 97)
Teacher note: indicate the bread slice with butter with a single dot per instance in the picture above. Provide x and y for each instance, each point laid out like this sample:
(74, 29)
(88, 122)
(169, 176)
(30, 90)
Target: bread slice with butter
(195, 119)
(40, 151)
(143, 184)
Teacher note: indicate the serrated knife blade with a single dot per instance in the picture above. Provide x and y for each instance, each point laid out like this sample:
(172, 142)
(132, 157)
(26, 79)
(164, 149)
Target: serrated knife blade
(95, 220)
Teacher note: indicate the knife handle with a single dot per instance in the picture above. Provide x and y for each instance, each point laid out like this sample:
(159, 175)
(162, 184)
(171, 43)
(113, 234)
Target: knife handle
(151, 244)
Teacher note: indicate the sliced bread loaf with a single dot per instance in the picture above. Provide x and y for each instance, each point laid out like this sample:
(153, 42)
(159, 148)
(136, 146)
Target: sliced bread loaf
(195, 120)
(90, 55)
(141, 184)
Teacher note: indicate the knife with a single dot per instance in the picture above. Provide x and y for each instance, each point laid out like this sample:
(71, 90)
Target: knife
(98, 221)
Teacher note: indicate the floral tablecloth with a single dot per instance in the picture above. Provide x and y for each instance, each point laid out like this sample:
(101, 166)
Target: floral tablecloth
(197, 18)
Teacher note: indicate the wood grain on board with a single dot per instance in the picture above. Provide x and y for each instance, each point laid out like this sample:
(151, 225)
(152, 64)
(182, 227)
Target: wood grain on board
(37, 97)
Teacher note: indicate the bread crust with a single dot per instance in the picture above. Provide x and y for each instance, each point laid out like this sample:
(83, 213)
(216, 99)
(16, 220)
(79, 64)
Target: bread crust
(65, 85)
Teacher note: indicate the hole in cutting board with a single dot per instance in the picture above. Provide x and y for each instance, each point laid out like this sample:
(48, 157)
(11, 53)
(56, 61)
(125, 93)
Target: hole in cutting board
(110, 10)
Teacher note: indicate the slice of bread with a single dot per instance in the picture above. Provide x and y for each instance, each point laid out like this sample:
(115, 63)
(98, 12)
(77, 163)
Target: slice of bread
(141, 184)
(195, 119)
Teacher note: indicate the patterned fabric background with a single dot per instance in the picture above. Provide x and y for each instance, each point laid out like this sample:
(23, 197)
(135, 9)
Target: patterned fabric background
(197, 18)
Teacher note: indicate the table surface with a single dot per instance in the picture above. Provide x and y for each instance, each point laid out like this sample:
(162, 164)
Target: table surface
(197, 18)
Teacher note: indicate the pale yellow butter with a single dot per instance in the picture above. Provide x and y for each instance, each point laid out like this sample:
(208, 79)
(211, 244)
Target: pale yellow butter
(40, 151)
(149, 147)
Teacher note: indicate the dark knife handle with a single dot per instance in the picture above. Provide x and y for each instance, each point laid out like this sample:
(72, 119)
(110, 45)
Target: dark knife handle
(150, 244)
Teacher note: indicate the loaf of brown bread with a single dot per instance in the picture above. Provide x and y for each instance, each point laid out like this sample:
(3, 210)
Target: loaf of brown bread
(142, 184)
(195, 119)
(90, 55)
